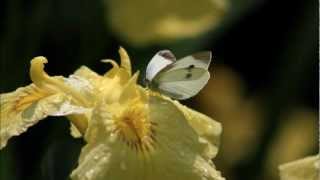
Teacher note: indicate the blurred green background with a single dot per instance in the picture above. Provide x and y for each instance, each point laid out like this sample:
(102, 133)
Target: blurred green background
(264, 88)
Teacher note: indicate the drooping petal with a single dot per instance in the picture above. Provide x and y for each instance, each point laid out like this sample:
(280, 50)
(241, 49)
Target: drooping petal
(27, 105)
(47, 96)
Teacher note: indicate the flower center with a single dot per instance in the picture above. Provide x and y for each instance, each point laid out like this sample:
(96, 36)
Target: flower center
(135, 128)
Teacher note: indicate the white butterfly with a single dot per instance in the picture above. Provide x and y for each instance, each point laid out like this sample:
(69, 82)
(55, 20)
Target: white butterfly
(180, 79)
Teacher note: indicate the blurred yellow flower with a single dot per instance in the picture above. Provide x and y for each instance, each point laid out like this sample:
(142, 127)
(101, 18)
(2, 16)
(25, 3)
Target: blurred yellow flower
(131, 132)
(295, 139)
(163, 20)
(307, 168)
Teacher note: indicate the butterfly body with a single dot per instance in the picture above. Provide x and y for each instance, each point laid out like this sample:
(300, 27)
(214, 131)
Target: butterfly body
(179, 79)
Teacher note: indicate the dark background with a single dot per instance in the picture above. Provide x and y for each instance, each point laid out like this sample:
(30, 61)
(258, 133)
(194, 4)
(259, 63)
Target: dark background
(272, 45)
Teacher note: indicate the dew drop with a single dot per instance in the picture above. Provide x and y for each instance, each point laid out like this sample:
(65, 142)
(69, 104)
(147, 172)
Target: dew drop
(89, 174)
(104, 159)
(95, 157)
(205, 173)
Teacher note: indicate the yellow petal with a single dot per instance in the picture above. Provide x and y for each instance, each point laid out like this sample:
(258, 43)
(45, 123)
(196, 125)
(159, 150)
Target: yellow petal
(80, 86)
(79, 123)
(124, 71)
(26, 106)
(93, 86)
(125, 60)
(89, 75)
(304, 169)
(208, 129)
(74, 131)
(142, 141)
(37, 74)
(130, 89)
(115, 68)
(53, 84)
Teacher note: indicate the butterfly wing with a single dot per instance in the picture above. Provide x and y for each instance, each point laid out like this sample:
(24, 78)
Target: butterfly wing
(184, 74)
(181, 83)
(183, 78)
(158, 62)
(197, 60)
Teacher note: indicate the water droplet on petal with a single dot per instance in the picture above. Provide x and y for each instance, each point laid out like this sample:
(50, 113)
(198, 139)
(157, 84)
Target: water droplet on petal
(95, 157)
(89, 174)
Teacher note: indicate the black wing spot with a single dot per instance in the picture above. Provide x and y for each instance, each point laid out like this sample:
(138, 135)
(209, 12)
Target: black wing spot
(188, 76)
(190, 67)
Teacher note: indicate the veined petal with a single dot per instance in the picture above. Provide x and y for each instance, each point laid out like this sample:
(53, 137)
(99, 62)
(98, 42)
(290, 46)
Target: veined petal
(26, 106)
(145, 140)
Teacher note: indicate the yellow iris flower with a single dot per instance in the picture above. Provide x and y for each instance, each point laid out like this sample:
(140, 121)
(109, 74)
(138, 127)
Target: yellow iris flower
(131, 132)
